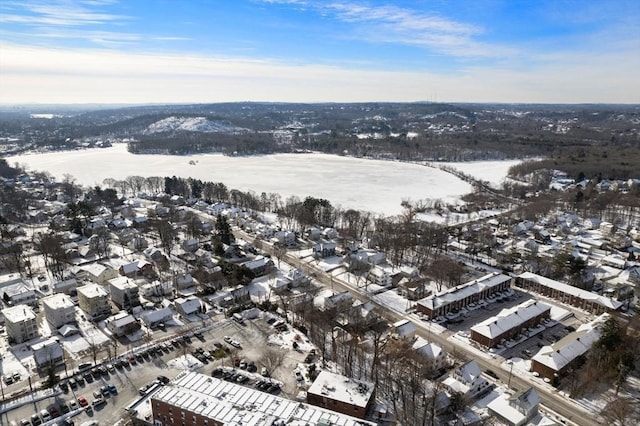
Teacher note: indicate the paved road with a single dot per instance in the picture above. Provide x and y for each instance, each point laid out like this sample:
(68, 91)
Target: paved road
(551, 399)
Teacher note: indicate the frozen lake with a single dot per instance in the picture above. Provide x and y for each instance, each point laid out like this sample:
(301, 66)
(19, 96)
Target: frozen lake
(373, 185)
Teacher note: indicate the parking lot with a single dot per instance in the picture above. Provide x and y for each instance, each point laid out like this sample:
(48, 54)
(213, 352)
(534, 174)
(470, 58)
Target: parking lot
(127, 378)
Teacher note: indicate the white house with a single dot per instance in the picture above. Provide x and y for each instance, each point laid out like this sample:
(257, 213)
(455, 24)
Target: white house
(124, 293)
(59, 310)
(20, 322)
(432, 353)
(188, 306)
(48, 353)
(467, 380)
(153, 319)
(94, 301)
(516, 410)
(404, 329)
(121, 324)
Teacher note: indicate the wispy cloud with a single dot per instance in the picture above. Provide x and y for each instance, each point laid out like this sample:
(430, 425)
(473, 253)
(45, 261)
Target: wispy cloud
(393, 24)
(58, 13)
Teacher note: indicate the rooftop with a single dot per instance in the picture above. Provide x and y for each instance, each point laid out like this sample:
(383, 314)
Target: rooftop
(92, 290)
(58, 301)
(573, 291)
(573, 345)
(510, 318)
(234, 404)
(463, 291)
(341, 388)
(18, 313)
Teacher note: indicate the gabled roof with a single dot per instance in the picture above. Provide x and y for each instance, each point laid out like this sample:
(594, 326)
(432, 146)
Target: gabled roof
(510, 318)
(573, 345)
(573, 291)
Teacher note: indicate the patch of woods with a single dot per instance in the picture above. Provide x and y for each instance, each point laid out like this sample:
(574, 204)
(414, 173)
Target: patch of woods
(606, 367)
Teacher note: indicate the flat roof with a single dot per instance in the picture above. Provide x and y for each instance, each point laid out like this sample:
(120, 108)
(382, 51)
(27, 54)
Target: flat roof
(58, 301)
(231, 403)
(92, 290)
(341, 388)
(18, 313)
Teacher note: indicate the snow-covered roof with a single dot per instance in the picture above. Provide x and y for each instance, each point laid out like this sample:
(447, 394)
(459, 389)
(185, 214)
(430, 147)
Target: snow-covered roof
(404, 328)
(515, 411)
(426, 349)
(46, 350)
(573, 291)
(121, 319)
(570, 347)
(157, 315)
(469, 372)
(234, 404)
(122, 283)
(189, 305)
(463, 291)
(17, 314)
(510, 318)
(92, 290)
(340, 388)
(58, 301)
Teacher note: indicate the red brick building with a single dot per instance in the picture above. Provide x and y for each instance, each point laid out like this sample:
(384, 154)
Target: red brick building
(341, 394)
(509, 323)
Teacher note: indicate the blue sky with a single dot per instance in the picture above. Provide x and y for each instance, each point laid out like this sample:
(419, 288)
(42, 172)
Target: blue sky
(140, 51)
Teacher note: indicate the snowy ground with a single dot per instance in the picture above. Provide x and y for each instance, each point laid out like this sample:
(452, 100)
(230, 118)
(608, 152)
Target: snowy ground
(493, 172)
(373, 185)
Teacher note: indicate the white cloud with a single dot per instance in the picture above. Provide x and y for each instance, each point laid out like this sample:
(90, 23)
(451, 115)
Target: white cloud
(43, 75)
(58, 13)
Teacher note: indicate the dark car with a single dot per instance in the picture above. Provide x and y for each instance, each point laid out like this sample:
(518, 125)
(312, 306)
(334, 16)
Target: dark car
(163, 379)
(64, 386)
(490, 373)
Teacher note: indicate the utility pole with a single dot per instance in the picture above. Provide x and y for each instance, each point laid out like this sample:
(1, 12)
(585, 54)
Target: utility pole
(510, 371)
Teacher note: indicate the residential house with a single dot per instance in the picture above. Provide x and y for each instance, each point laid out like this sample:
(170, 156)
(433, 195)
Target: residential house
(509, 323)
(324, 249)
(20, 323)
(403, 329)
(68, 286)
(467, 380)
(339, 301)
(156, 318)
(379, 276)
(413, 288)
(59, 310)
(431, 352)
(19, 293)
(191, 305)
(185, 281)
(99, 273)
(94, 301)
(139, 267)
(124, 293)
(122, 324)
(259, 266)
(518, 409)
(190, 244)
(341, 394)
(48, 354)
(284, 238)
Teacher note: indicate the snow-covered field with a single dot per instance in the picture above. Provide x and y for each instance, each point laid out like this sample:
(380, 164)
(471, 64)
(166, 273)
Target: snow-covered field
(373, 185)
(493, 172)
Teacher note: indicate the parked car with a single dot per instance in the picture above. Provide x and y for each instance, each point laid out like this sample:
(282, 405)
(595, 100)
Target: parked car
(99, 401)
(83, 401)
(112, 388)
(163, 379)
